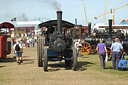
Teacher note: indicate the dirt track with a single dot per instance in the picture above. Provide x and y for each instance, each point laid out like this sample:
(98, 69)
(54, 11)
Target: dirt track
(28, 73)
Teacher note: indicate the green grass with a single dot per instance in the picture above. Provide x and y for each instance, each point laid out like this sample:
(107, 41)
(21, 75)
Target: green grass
(89, 72)
(94, 64)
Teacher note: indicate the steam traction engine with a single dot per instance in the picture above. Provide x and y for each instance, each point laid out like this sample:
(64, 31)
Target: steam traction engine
(107, 36)
(56, 44)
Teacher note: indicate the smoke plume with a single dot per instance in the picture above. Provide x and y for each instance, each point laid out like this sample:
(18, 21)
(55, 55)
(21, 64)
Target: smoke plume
(9, 13)
(23, 17)
(54, 4)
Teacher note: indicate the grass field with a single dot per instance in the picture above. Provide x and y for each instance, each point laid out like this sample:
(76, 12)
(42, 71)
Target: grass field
(89, 72)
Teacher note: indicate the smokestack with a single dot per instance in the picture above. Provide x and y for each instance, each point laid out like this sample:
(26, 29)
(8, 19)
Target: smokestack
(110, 27)
(59, 21)
(80, 31)
(75, 21)
(89, 29)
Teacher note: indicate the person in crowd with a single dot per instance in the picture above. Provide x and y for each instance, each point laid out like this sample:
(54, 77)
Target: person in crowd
(35, 38)
(14, 40)
(18, 50)
(78, 45)
(20, 41)
(28, 42)
(101, 49)
(32, 41)
(23, 41)
(116, 49)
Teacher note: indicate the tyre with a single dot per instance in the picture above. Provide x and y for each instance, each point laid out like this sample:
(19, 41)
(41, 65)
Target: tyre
(68, 54)
(45, 61)
(74, 67)
(68, 62)
(39, 52)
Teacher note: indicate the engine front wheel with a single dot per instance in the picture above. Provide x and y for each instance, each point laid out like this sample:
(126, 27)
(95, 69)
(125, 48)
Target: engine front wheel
(74, 67)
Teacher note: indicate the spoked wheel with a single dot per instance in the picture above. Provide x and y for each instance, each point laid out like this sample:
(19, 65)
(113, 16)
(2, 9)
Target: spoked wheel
(74, 67)
(86, 48)
(45, 62)
(40, 52)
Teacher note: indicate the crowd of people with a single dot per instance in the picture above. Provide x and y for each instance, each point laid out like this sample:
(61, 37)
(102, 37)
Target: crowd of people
(25, 41)
(19, 44)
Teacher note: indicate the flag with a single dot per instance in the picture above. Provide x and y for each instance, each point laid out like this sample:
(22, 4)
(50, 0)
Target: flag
(39, 18)
(14, 19)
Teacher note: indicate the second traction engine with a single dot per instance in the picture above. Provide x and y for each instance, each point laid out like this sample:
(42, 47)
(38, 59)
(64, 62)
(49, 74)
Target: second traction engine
(108, 35)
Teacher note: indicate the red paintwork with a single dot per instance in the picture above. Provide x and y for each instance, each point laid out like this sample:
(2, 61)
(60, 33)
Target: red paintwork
(3, 45)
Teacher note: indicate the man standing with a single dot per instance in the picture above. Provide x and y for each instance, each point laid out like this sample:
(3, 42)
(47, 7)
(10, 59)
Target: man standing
(101, 49)
(18, 50)
(116, 53)
(78, 45)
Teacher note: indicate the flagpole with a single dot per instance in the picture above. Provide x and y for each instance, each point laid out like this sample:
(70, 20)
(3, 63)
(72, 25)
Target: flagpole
(16, 29)
(14, 19)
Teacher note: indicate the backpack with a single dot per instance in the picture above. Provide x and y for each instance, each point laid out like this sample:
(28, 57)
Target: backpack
(17, 48)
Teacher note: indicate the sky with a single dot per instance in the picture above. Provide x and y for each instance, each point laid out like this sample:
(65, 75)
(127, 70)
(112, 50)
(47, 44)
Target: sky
(28, 10)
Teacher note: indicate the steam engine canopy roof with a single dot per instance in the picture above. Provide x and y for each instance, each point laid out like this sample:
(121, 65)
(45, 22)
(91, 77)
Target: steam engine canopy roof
(54, 23)
(6, 25)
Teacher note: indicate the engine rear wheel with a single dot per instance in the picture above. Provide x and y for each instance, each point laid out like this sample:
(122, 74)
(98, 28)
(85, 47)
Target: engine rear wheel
(68, 54)
(40, 52)
(45, 62)
(85, 48)
(68, 62)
